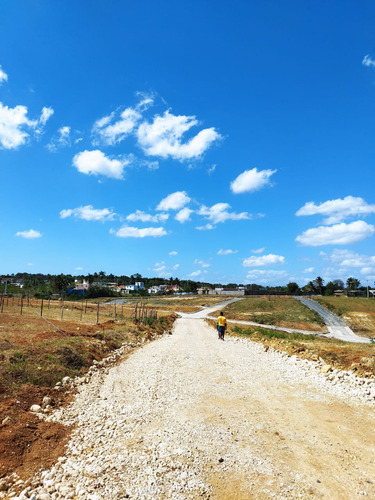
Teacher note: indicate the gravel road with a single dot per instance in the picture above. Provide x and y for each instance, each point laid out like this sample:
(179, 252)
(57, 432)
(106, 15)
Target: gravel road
(188, 416)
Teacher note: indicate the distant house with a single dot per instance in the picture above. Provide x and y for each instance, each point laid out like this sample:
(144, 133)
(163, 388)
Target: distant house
(157, 289)
(173, 288)
(138, 285)
(339, 293)
(203, 290)
(85, 285)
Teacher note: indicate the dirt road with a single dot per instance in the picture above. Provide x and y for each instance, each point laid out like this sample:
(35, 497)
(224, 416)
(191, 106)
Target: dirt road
(189, 416)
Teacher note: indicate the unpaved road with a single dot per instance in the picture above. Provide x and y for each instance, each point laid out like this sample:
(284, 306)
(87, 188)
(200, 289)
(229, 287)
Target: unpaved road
(189, 416)
(337, 327)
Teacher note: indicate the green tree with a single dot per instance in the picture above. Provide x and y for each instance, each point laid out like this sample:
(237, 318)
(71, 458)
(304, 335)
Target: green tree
(352, 283)
(60, 283)
(318, 283)
(292, 288)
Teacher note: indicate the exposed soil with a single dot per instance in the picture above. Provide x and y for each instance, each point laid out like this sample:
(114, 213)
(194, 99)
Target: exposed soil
(26, 442)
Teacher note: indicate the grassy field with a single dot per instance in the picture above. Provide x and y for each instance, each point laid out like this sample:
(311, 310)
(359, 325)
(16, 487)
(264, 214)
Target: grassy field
(358, 312)
(278, 311)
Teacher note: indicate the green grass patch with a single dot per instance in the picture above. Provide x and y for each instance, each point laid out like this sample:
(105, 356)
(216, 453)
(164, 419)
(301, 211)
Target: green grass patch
(277, 311)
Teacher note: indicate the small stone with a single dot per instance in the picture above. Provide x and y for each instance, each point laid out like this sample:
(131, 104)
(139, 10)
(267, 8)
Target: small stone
(326, 369)
(4, 485)
(221, 460)
(36, 408)
(6, 421)
(47, 401)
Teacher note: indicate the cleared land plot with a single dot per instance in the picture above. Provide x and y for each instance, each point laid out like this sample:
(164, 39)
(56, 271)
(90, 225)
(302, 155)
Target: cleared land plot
(34, 355)
(278, 311)
(358, 312)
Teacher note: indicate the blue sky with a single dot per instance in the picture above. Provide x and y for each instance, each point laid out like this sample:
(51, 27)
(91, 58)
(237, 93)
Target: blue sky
(216, 141)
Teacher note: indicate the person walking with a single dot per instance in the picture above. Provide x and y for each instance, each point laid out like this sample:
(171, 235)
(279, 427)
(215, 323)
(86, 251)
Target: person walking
(221, 325)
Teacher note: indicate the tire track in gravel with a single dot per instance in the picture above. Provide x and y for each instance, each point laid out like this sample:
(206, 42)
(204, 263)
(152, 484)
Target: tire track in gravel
(189, 416)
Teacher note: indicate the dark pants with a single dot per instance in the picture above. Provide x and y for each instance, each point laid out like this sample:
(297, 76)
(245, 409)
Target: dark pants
(221, 330)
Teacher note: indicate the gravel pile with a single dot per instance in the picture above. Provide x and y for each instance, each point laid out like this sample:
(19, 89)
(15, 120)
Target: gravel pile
(180, 416)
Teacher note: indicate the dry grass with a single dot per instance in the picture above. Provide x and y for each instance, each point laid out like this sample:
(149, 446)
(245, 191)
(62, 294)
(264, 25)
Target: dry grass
(358, 312)
(279, 311)
(34, 351)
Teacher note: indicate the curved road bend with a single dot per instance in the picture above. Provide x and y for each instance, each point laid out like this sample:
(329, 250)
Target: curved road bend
(337, 327)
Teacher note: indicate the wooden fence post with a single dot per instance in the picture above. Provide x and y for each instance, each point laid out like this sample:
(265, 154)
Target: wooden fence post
(21, 304)
(41, 308)
(97, 314)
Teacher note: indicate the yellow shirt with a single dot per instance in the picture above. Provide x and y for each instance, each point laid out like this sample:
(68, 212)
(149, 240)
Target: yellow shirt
(221, 320)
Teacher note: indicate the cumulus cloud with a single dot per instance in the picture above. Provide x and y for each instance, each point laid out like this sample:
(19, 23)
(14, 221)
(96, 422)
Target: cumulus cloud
(3, 76)
(338, 210)
(15, 126)
(226, 252)
(173, 252)
(251, 180)
(88, 213)
(195, 274)
(201, 263)
(184, 215)
(135, 232)
(206, 227)
(144, 217)
(163, 137)
(220, 213)
(266, 276)
(308, 270)
(113, 128)
(258, 250)
(97, 163)
(349, 259)
(31, 234)
(338, 234)
(61, 140)
(174, 201)
(263, 260)
(368, 61)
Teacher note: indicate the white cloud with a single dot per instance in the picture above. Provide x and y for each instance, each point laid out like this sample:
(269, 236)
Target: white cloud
(97, 163)
(62, 139)
(174, 201)
(173, 252)
(207, 227)
(264, 260)
(251, 180)
(226, 252)
(175, 267)
(3, 76)
(184, 215)
(258, 250)
(30, 234)
(308, 270)
(202, 263)
(15, 126)
(113, 128)
(220, 213)
(211, 170)
(144, 217)
(338, 234)
(269, 276)
(135, 232)
(88, 213)
(194, 274)
(163, 137)
(339, 209)
(348, 259)
(367, 61)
